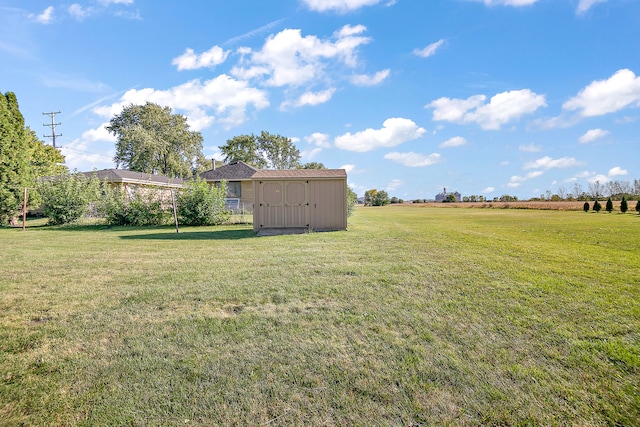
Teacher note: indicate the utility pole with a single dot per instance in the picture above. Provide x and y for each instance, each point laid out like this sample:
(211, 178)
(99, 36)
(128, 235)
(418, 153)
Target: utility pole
(52, 126)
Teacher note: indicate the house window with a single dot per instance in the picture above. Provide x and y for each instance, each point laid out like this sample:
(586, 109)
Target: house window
(234, 189)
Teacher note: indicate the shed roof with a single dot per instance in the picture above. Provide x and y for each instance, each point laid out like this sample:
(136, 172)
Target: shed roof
(301, 174)
(234, 171)
(133, 177)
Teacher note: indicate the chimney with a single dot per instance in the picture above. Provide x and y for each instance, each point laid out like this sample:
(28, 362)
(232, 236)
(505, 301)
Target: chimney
(213, 164)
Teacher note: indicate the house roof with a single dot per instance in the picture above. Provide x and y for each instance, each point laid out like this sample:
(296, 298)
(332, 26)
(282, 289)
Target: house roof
(301, 174)
(132, 177)
(234, 171)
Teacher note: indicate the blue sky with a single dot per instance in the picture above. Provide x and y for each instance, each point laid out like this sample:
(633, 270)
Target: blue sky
(483, 97)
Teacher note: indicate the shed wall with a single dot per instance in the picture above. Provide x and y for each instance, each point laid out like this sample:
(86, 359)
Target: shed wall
(322, 205)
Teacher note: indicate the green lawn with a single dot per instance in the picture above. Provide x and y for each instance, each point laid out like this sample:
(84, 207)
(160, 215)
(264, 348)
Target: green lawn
(413, 317)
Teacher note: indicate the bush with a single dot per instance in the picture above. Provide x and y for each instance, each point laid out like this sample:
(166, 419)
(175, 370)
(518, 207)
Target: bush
(638, 207)
(202, 204)
(585, 207)
(352, 199)
(609, 205)
(624, 207)
(66, 198)
(121, 206)
(597, 206)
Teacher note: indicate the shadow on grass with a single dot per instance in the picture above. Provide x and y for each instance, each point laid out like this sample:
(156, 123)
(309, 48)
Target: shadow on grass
(194, 235)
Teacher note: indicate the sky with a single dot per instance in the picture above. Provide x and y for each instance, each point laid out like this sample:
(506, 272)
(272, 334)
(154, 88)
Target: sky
(482, 97)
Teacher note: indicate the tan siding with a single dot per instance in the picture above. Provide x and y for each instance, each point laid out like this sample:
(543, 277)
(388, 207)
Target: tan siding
(326, 209)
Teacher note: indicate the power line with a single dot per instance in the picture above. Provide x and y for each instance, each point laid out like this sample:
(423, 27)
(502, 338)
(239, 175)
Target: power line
(52, 125)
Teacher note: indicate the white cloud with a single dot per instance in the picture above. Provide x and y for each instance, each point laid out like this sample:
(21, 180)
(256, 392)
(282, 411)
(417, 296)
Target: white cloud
(189, 60)
(46, 17)
(341, 6)
(108, 2)
(79, 12)
(585, 5)
(515, 3)
(412, 159)
(456, 141)
(501, 108)
(288, 58)
(592, 135)
(617, 171)
(394, 132)
(607, 96)
(429, 50)
(318, 139)
(549, 163)
(394, 184)
(88, 150)
(530, 148)
(488, 190)
(366, 80)
(219, 100)
(310, 98)
(351, 169)
(516, 180)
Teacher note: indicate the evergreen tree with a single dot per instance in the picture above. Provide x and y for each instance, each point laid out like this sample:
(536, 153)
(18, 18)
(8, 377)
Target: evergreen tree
(638, 206)
(624, 207)
(585, 207)
(597, 206)
(14, 158)
(609, 205)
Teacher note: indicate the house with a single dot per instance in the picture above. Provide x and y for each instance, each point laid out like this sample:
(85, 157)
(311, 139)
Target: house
(315, 199)
(133, 180)
(443, 197)
(238, 177)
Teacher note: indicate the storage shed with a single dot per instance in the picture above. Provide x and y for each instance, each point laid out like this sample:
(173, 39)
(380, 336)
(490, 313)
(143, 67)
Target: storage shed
(315, 199)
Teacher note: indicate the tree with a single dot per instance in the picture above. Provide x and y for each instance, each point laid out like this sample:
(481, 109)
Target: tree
(596, 206)
(262, 151)
(624, 207)
(15, 173)
(313, 165)
(151, 139)
(46, 160)
(609, 205)
(585, 207)
(638, 207)
(243, 148)
(376, 198)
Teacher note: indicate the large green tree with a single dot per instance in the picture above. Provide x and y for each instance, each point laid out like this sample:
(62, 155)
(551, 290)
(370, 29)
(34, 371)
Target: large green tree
(264, 151)
(152, 139)
(15, 171)
(45, 160)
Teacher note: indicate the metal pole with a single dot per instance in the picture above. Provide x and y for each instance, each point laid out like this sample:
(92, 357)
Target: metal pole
(175, 213)
(24, 210)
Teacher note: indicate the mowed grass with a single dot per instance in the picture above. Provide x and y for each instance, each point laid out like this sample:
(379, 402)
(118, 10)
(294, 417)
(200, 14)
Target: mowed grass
(412, 317)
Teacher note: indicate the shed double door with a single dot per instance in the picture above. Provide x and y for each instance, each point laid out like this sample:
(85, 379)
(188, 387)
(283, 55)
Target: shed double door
(284, 204)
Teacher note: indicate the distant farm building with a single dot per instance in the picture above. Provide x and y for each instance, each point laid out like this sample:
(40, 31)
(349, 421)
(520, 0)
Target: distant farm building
(444, 196)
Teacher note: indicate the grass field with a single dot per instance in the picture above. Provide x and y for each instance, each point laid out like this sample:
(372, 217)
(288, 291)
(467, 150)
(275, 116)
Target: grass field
(413, 317)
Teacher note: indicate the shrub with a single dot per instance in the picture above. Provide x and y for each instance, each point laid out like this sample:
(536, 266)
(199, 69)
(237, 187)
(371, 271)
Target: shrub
(202, 204)
(597, 206)
(624, 207)
(352, 199)
(585, 207)
(638, 206)
(122, 206)
(609, 205)
(66, 198)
